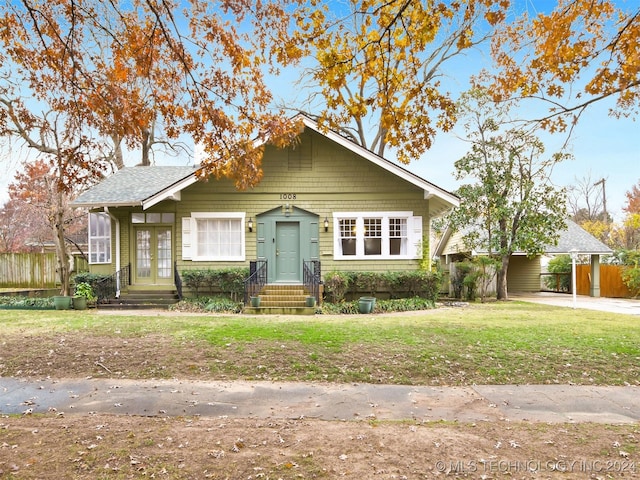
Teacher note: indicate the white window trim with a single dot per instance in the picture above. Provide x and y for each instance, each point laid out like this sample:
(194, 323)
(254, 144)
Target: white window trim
(106, 238)
(414, 235)
(190, 236)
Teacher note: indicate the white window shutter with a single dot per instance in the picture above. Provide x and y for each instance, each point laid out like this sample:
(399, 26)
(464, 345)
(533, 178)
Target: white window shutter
(186, 238)
(415, 237)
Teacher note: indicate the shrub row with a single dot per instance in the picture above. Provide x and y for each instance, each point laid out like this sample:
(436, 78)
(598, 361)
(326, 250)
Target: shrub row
(341, 286)
(228, 282)
(33, 303)
(90, 278)
(381, 306)
(208, 304)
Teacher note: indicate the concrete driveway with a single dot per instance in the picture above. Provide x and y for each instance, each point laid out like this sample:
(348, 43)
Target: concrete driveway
(614, 305)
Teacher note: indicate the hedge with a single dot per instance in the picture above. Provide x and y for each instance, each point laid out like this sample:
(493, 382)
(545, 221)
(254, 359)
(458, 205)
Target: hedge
(340, 286)
(228, 282)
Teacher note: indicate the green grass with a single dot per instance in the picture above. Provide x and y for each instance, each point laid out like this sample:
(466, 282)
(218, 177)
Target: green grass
(497, 343)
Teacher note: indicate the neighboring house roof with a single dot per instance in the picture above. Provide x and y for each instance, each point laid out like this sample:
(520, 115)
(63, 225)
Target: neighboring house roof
(574, 237)
(146, 186)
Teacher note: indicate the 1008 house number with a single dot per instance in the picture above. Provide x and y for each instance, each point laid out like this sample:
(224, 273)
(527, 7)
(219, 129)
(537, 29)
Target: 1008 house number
(287, 196)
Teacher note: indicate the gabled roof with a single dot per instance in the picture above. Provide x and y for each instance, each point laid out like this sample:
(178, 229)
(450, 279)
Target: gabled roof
(146, 186)
(430, 190)
(574, 237)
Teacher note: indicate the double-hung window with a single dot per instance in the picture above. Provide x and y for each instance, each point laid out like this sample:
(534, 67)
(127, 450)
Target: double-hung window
(369, 235)
(347, 236)
(398, 236)
(213, 237)
(99, 238)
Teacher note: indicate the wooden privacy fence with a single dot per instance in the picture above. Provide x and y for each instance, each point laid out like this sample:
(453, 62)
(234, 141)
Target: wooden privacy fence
(27, 270)
(611, 284)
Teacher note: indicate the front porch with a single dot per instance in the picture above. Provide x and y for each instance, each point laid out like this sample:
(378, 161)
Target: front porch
(295, 298)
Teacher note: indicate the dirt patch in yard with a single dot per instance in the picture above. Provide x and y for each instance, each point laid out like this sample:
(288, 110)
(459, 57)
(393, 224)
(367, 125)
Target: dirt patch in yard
(113, 447)
(157, 356)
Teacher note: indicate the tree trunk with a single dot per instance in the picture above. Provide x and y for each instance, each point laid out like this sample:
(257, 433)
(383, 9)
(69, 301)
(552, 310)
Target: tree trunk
(147, 141)
(61, 246)
(118, 159)
(501, 286)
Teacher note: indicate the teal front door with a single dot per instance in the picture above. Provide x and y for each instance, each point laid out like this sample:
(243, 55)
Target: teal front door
(288, 264)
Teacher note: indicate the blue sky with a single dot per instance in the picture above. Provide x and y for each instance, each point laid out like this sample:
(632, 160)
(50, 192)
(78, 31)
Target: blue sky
(603, 147)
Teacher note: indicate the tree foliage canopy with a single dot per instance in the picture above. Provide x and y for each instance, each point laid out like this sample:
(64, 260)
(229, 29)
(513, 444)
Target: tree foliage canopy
(509, 204)
(633, 199)
(379, 66)
(580, 53)
(124, 70)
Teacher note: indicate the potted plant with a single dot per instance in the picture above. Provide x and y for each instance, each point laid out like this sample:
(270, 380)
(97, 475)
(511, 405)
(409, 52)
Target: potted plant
(366, 304)
(255, 302)
(84, 294)
(62, 302)
(310, 301)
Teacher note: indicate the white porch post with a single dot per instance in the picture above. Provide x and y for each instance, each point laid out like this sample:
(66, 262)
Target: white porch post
(595, 276)
(574, 255)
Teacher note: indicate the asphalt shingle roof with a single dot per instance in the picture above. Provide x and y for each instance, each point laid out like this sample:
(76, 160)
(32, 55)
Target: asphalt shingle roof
(133, 185)
(575, 237)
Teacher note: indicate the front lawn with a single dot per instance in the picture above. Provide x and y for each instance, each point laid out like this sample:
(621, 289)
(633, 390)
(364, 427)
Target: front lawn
(498, 343)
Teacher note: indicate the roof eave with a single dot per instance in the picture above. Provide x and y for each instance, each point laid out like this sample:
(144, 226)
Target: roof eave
(173, 192)
(92, 205)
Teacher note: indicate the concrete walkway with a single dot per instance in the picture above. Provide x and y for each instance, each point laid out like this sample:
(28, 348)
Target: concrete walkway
(625, 306)
(550, 403)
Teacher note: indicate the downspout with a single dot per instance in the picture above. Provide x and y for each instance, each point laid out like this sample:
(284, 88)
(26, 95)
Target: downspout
(117, 222)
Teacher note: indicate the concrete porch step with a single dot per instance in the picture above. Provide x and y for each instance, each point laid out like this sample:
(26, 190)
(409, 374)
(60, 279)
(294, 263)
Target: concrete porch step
(142, 299)
(279, 310)
(282, 300)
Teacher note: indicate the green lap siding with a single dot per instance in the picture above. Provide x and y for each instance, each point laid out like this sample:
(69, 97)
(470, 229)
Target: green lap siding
(334, 179)
(523, 274)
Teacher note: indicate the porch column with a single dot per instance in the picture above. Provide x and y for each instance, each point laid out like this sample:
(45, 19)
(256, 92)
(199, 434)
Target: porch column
(595, 276)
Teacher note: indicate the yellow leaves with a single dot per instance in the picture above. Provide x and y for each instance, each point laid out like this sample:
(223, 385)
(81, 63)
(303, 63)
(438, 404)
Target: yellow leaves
(632, 220)
(597, 228)
(465, 39)
(357, 109)
(556, 48)
(381, 63)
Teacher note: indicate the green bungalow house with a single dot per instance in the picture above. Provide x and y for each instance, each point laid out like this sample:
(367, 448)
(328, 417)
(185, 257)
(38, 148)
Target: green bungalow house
(326, 200)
